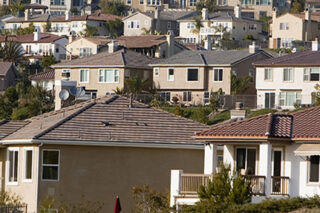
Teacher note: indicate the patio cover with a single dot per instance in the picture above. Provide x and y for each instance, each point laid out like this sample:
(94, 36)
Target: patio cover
(307, 150)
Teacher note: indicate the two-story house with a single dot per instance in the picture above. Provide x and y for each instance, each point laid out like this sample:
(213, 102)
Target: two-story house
(289, 27)
(216, 25)
(8, 75)
(162, 21)
(102, 73)
(288, 80)
(192, 75)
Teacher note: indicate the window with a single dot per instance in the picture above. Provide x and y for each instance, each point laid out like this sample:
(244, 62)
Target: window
(190, 25)
(206, 97)
(186, 96)
(193, 3)
(284, 26)
(57, 2)
(50, 164)
(192, 75)
(290, 98)
(109, 76)
(133, 24)
(246, 159)
(141, 1)
(84, 52)
(128, 1)
(311, 74)
(84, 76)
(169, 25)
(146, 22)
(75, 24)
(268, 74)
(4, 2)
(165, 96)
(314, 169)
(156, 72)
(252, 27)
(287, 74)
(218, 75)
(170, 74)
(13, 165)
(251, 75)
(27, 160)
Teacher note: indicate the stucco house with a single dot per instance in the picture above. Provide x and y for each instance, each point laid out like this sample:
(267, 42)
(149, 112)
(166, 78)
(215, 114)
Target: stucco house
(162, 21)
(193, 75)
(286, 28)
(314, 5)
(8, 75)
(38, 45)
(102, 73)
(95, 151)
(233, 23)
(44, 79)
(288, 80)
(278, 153)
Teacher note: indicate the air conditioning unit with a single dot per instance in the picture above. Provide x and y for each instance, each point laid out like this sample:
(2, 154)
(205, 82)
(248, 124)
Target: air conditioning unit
(65, 74)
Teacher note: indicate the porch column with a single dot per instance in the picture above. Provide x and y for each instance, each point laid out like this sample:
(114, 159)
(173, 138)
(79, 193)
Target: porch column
(265, 165)
(210, 158)
(228, 158)
(175, 185)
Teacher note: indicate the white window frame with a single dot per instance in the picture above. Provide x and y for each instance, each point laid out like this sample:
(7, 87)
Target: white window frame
(24, 168)
(246, 160)
(156, 72)
(217, 69)
(270, 74)
(169, 25)
(168, 78)
(42, 165)
(292, 71)
(8, 165)
(80, 76)
(115, 71)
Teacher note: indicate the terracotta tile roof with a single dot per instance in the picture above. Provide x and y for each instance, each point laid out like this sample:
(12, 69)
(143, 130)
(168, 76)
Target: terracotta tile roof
(144, 41)
(109, 119)
(45, 38)
(315, 16)
(120, 58)
(93, 17)
(5, 67)
(48, 75)
(298, 125)
(9, 127)
(102, 41)
(303, 58)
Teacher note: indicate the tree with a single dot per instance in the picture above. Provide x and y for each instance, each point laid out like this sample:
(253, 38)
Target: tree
(119, 91)
(47, 27)
(8, 102)
(297, 7)
(11, 51)
(74, 11)
(15, 8)
(136, 85)
(265, 19)
(210, 5)
(115, 27)
(28, 30)
(48, 61)
(148, 200)
(215, 100)
(223, 31)
(249, 37)
(4, 10)
(90, 31)
(239, 85)
(115, 7)
(197, 25)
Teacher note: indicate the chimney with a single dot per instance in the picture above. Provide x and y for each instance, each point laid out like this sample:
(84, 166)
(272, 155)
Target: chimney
(170, 41)
(70, 37)
(37, 34)
(315, 45)
(237, 11)
(157, 18)
(67, 15)
(274, 13)
(112, 46)
(89, 2)
(205, 15)
(26, 15)
(253, 48)
(307, 14)
(208, 43)
(238, 112)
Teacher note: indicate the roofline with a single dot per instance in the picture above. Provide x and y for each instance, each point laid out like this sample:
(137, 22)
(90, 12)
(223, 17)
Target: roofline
(100, 66)
(173, 145)
(285, 65)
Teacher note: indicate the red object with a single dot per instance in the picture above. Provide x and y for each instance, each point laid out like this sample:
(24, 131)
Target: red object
(117, 206)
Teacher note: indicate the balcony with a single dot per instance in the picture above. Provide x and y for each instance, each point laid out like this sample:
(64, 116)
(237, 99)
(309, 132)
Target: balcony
(257, 184)
(190, 183)
(280, 185)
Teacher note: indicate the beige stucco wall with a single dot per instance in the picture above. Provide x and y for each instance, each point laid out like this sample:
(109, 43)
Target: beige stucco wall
(26, 190)
(74, 47)
(26, 24)
(102, 173)
(145, 22)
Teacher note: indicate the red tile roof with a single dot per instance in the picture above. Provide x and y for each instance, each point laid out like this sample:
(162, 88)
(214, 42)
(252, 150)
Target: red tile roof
(93, 17)
(143, 41)
(48, 75)
(315, 16)
(45, 38)
(303, 124)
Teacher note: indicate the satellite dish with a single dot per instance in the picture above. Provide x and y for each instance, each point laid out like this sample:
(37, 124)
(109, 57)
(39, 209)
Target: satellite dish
(80, 92)
(64, 94)
(73, 91)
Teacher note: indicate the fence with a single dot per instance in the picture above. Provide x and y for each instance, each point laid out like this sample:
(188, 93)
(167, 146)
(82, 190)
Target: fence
(190, 183)
(13, 209)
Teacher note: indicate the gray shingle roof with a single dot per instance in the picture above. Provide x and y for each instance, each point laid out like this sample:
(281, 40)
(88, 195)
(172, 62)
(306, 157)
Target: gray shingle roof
(5, 67)
(172, 15)
(224, 57)
(32, 18)
(9, 127)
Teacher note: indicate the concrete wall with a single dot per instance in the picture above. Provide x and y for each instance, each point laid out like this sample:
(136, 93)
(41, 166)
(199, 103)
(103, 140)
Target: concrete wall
(102, 173)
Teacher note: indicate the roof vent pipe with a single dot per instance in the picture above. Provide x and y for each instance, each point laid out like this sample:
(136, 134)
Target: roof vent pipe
(131, 101)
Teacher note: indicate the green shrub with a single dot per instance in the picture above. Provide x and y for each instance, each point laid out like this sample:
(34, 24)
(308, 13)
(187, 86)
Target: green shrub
(251, 114)
(222, 116)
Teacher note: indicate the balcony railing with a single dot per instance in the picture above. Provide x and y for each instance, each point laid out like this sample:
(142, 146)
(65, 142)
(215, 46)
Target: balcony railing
(279, 185)
(257, 184)
(190, 183)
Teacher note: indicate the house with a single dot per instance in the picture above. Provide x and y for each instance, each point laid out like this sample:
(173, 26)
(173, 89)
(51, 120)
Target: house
(233, 24)
(8, 75)
(38, 45)
(288, 80)
(44, 79)
(150, 5)
(3, 21)
(139, 23)
(102, 73)
(293, 27)
(95, 151)
(314, 5)
(193, 75)
(278, 153)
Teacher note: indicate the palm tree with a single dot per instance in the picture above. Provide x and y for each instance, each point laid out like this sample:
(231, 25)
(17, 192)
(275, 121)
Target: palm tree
(136, 85)
(197, 28)
(223, 31)
(118, 91)
(146, 32)
(11, 51)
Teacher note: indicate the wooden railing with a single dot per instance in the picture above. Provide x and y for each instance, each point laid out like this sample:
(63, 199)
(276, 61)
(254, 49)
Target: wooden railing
(257, 184)
(279, 185)
(190, 183)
